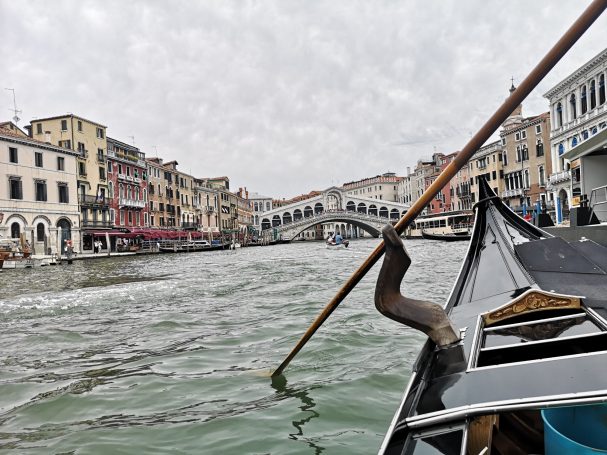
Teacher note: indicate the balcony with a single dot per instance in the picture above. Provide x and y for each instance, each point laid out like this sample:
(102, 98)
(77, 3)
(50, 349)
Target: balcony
(95, 224)
(88, 200)
(209, 209)
(560, 177)
(517, 192)
(137, 180)
(190, 225)
(100, 158)
(133, 203)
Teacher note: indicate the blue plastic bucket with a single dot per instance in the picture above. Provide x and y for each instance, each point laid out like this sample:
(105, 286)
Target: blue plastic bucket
(575, 430)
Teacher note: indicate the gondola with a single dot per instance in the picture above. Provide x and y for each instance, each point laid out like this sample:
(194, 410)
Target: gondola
(446, 237)
(516, 359)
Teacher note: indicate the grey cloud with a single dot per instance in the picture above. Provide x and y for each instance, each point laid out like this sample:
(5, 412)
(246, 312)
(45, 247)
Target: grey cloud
(283, 96)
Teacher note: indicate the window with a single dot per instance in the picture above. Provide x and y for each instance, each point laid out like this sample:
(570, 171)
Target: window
(80, 125)
(40, 190)
(81, 147)
(40, 232)
(15, 187)
(15, 230)
(130, 218)
(573, 106)
(602, 89)
(503, 141)
(505, 158)
(65, 144)
(112, 216)
(101, 173)
(110, 189)
(559, 115)
(63, 193)
(100, 133)
(539, 148)
(525, 151)
(63, 125)
(523, 134)
(82, 169)
(592, 95)
(38, 159)
(38, 128)
(517, 136)
(13, 156)
(60, 163)
(100, 155)
(538, 129)
(584, 100)
(122, 217)
(541, 175)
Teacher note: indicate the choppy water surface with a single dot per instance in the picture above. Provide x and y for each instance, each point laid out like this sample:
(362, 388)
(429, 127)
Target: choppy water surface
(170, 353)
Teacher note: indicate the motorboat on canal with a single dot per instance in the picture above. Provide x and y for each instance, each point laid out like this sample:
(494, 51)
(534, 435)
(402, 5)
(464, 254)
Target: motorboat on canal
(191, 247)
(455, 237)
(517, 361)
(448, 226)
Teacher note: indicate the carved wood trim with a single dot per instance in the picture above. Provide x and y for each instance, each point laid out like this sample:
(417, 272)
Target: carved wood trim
(529, 302)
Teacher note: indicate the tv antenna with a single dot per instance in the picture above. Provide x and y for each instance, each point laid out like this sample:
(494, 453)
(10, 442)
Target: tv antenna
(14, 109)
(132, 139)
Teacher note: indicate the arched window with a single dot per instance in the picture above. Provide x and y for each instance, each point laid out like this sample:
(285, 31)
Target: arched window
(592, 95)
(574, 141)
(561, 149)
(40, 232)
(145, 195)
(121, 190)
(572, 103)
(539, 148)
(15, 230)
(110, 189)
(601, 89)
(559, 114)
(584, 99)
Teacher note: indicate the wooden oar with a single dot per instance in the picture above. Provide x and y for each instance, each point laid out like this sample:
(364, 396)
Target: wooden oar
(537, 74)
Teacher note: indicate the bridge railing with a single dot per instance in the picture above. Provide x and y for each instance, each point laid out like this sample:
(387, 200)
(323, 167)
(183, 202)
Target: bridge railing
(329, 214)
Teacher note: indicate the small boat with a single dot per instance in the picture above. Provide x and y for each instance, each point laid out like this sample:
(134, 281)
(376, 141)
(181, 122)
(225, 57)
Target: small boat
(516, 359)
(333, 245)
(453, 237)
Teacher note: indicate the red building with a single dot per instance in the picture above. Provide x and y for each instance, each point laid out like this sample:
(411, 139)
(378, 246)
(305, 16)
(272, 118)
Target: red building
(127, 185)
(442, 201)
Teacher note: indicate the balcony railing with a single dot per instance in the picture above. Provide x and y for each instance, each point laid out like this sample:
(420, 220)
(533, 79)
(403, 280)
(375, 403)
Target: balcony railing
(124, 202)
(96, 224)
(86, 199)
(517, 192)
(560, 177)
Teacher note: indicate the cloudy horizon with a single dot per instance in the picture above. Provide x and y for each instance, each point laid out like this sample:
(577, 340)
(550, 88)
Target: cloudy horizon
(284, 97)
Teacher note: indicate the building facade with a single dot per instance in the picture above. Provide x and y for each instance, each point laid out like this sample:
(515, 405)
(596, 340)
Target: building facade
(383, 187)
(578, 106)
(127, 185)
(487, 162)
(39, 194)
(88, 138)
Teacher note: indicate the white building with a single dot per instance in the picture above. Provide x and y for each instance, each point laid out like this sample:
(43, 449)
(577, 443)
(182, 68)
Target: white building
(259, 205)
(578, 136)
(39, 195)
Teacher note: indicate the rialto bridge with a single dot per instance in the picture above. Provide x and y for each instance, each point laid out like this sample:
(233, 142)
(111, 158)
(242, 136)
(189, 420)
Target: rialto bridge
(333, 205)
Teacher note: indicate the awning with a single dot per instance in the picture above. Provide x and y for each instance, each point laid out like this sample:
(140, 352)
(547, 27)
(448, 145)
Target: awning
(124, 235)
(595, 145)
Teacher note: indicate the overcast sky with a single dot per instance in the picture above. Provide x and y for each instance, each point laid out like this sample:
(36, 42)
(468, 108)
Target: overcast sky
(283, 96)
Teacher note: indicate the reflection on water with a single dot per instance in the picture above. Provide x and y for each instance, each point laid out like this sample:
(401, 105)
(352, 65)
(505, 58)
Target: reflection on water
(279, 383)
(158, 354)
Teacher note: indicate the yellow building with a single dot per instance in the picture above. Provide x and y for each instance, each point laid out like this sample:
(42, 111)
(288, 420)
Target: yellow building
(88, 138)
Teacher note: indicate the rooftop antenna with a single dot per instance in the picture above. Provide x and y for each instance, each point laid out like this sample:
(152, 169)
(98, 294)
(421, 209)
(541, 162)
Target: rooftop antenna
(132, 139)
(14, 109)
(155, 149)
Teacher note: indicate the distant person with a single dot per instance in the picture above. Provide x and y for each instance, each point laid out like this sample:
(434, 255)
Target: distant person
(338, 239)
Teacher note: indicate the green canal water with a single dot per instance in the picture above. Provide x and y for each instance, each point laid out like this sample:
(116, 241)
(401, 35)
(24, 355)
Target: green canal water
(171, 353)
